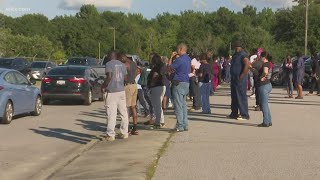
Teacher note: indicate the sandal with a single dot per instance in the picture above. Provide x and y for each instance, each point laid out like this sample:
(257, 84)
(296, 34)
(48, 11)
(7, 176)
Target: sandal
(133, 132)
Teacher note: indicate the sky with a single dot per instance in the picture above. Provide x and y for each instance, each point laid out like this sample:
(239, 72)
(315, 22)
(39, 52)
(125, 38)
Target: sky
(148, 8)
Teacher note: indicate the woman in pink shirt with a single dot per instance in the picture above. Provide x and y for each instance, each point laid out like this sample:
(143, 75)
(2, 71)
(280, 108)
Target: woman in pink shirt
(215, 79)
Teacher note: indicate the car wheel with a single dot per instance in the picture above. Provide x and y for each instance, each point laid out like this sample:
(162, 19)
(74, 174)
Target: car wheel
(38, 107)
(88, 100)
(8, 113)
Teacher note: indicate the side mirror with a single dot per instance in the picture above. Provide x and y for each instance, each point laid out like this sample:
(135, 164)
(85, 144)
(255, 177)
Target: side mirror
(48, 67)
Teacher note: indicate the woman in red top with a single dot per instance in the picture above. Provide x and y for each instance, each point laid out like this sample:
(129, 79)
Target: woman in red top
(215, 79)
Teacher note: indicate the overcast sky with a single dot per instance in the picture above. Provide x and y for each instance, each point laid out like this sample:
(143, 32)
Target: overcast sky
(148, 8)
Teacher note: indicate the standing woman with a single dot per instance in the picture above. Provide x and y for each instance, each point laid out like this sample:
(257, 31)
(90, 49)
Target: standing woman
(205, 73)
(156, 84)
(265, 88)
(288, 75)
(216, 71)
(298, 74)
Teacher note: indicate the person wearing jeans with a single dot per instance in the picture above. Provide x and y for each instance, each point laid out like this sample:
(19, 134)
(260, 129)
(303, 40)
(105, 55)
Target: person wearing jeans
(205, 73)
(265, 88)
(315, 82)
(239, 73)
(156, 83)
(180, 91)
(180, 68)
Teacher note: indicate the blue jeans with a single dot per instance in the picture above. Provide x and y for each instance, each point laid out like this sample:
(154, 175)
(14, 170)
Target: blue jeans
(264, 92)
(205, 94)
(179, 94)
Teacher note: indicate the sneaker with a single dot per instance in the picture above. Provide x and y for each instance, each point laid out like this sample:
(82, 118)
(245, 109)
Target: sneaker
(253, 96)
(110, 138)
(232, 117)
(257, 108)
(122, 136)
(263, 125)
(240, 118)
(178, 130)
(195, 110)
(170, 105)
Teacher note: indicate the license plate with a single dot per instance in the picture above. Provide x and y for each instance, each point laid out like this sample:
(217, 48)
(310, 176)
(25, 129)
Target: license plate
(61, 82)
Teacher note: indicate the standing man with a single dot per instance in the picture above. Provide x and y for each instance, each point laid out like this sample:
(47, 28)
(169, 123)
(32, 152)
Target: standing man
(298, 74)
(239, 73)
(131, 92)
(180, 68)
(315, 75)
(116, 98)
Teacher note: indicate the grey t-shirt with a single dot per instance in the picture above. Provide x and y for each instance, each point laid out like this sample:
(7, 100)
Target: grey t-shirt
(118, 70)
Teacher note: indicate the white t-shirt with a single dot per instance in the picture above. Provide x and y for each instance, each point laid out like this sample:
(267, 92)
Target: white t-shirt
(253, 57)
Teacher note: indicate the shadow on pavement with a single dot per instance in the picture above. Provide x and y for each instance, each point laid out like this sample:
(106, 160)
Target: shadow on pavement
(224, 122)
(64, 134)
(91, 125)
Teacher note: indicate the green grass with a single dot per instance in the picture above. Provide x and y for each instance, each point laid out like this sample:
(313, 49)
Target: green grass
(153, 166)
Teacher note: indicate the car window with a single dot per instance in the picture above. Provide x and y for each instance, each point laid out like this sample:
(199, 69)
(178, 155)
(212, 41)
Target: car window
(40, 65)
(21, 80)
(6, 63)
(67, 71)
(9, 78)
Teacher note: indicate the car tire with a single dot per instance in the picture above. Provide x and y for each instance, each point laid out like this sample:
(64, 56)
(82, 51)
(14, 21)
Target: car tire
(38, 107)
(88, 100)
(45, 101)
(8, 113)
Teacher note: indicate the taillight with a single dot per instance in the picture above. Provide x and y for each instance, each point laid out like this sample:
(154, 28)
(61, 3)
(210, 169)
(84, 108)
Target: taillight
(1, 88)
(77, 80)
(47, 80)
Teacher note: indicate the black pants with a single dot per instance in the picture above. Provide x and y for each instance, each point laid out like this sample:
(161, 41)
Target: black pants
(315, 83)
(256, 92)
(147, 97)
(194, 90)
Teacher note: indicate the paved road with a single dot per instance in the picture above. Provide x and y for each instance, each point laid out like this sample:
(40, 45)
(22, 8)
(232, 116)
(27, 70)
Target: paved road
(30, 144)
(219, 148)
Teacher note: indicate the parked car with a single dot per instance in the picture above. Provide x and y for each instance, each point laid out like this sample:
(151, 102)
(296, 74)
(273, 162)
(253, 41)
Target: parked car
(82, 61)
(277, 78)
(19, 64)
(72, 83)
(40, 69)
(17, 96)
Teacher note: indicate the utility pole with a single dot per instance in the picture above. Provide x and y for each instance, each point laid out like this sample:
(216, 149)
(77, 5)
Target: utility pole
(99, 51)
(306, 33)
(114, 37)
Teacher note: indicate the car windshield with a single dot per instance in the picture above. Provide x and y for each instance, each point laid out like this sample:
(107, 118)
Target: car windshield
(6, 63)
(38, 65)
(77, 61)
(67, 71)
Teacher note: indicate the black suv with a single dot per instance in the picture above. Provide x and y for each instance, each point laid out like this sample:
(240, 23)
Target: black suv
(19, 64)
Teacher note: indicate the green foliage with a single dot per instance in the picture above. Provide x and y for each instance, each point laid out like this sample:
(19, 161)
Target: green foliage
(280, 32)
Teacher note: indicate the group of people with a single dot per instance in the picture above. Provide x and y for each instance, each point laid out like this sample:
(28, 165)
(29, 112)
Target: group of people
(173, 80)
(258, 68)
(294, 73)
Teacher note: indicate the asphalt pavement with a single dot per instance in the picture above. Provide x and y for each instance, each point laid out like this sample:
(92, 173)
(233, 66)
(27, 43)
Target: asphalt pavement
(30, 145)
(219, 148)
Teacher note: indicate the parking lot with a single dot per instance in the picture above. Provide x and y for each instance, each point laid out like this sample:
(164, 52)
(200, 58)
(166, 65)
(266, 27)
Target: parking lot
(30, 144)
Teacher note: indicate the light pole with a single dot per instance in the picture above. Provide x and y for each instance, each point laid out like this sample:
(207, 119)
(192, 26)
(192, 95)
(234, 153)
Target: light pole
(114, 37)
(306, 32)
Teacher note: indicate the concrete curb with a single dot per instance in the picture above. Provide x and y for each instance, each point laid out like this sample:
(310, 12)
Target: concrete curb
(61, 163)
